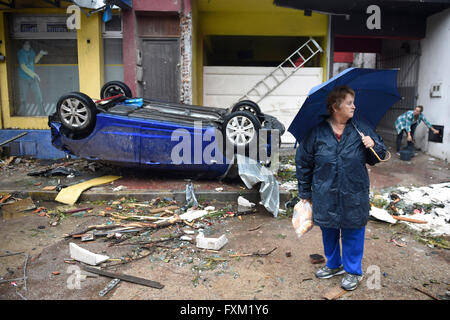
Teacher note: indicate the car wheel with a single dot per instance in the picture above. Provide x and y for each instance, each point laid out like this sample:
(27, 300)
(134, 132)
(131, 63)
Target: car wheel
(77, 112)
(247, 105)
(241, 129)
(113, 88)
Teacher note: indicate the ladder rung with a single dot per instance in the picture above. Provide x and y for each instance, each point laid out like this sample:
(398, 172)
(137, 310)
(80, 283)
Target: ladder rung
(282, 70)
(254, 89)
(298, 52)
(292, 63)
(273, 76)
(264, 82)
(310, 49)
(260, 83)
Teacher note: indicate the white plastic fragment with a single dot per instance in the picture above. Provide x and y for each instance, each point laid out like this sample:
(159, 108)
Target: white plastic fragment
(185, 238)
(86, 256)
(211, 243)
(382, 215)
(244, 202)
(210, 208)
(193, 214)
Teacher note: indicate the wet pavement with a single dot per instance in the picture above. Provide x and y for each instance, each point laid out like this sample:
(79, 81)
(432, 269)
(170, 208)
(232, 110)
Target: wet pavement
(188, 272)
(145, 184)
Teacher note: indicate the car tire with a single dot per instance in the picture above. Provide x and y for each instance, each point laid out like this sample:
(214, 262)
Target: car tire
(113, 88)
(249, 106)
(77, 112)
(241, 129)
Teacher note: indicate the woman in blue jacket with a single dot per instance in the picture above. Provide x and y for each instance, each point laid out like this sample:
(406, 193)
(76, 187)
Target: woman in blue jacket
(332, 176)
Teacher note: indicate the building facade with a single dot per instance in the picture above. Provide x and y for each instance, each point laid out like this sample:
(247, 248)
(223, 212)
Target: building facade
(184, 51)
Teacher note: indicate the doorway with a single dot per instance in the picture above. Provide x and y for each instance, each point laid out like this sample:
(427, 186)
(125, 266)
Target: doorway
(161, 65)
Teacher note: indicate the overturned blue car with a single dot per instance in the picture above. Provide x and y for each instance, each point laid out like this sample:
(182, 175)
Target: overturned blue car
(188, 139)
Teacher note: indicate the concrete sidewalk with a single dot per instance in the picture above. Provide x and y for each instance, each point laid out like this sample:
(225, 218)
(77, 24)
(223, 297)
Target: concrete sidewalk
(146, 185)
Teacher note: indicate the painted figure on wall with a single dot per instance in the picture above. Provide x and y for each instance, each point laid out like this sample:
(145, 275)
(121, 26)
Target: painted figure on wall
(28, 78)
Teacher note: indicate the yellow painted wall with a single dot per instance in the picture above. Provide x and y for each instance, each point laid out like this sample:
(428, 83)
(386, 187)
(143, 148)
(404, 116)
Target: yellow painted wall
(250, 18)
(90, 55)
(90, 66)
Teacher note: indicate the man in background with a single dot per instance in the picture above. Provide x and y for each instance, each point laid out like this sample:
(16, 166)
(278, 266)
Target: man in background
(407, 123)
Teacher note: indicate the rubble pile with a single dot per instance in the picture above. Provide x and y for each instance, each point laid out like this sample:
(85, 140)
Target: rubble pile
(425, 208)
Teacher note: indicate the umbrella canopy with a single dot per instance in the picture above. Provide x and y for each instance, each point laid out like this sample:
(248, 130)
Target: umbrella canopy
(375, 92)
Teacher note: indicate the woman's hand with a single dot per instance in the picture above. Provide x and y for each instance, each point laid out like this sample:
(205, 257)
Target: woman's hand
(367, 140)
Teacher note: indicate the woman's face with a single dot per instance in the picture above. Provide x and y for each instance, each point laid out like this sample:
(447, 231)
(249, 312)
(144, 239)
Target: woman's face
(347, 107)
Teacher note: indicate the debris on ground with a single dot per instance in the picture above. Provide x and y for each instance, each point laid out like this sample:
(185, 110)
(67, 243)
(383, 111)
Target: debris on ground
(427, 293)
(245, 206)
(110, 286)
(334, 293)
(132, 279)
(71, 194)
(244, 202)
(191, 200)
(86, 256)
(252, 173)
(210, 243)
(425, 209)
(254, 254)
(58, 171)
(316, 258)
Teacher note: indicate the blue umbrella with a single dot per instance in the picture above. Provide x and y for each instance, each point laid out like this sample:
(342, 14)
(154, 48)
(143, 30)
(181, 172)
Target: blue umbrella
(375, 92)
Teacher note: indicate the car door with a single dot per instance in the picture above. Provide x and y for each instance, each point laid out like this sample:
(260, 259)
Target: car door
(156, 143)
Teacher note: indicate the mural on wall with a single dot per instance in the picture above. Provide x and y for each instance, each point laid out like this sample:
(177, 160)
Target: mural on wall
(29, 89)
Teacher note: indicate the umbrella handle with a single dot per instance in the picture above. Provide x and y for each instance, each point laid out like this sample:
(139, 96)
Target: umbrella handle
(371, 148)
(378, 157)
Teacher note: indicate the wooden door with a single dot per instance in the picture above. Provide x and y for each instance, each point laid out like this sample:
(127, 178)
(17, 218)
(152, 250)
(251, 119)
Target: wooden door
(160, 60)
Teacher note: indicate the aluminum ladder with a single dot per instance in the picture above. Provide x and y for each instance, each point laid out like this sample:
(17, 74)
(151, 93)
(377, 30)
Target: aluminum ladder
(286, 69)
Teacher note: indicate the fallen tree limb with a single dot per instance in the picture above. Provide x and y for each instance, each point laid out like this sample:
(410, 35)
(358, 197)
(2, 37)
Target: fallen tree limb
(112, 226)
(426, 292)
(408, 219)
(149, 244)
(255, 254)
(129, 261)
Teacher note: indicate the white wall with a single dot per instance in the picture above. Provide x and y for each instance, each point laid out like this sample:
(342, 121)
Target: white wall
(223, 86)
(435, 68)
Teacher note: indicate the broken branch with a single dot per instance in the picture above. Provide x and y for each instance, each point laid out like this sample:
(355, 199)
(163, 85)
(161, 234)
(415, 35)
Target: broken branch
(408, 219)
(255, 254)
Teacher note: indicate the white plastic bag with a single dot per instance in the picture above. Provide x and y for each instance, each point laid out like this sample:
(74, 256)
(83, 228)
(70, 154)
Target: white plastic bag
(302, 219)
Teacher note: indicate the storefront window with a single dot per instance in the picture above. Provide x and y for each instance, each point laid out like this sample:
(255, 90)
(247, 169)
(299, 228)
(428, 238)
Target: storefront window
(44, 56)
(112, 48)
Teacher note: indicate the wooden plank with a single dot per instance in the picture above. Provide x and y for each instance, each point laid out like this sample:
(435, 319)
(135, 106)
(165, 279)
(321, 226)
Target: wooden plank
(408, 219)
(334, 293)
(124, 277)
